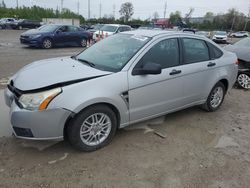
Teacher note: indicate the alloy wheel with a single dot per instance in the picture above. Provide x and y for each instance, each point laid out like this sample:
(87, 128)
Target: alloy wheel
(95, 129)
(83, 42)
(47, 43)
(244, 80)
(216, 97)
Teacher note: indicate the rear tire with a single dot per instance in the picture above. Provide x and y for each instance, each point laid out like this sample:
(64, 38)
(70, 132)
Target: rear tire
(243, 80)
(215, 98)
(83, 42)
(93, 128)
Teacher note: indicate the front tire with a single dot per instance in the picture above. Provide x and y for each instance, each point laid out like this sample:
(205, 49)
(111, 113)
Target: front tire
(243, 80)
(215, 98)
(93, 128)
(47, 43)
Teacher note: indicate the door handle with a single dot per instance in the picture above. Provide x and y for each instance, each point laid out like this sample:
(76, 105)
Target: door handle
(175, 72)
(211, 64)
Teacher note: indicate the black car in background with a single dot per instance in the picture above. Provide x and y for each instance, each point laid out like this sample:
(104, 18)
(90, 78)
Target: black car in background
(30, 24)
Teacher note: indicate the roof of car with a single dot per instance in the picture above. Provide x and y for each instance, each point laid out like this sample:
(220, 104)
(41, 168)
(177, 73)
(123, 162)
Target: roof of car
(154, 33)
(117, 25)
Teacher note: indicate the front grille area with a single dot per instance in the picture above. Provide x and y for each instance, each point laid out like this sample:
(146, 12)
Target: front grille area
(24, 37)
(23, 132)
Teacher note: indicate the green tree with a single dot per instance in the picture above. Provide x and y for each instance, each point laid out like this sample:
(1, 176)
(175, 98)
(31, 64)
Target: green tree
(175, 17)
(126, 11)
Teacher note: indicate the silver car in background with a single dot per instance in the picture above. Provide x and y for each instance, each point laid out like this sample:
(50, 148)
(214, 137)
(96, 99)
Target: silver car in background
(127, 78)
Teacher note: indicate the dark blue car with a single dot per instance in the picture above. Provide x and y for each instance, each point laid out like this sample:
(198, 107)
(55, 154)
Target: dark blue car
(49, 36)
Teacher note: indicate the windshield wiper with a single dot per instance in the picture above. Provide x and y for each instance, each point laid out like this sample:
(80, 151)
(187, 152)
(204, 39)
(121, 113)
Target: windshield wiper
(83, 61)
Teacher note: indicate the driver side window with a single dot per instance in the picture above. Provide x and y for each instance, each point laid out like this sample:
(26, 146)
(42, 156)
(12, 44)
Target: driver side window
(164, 53)
(63, 29)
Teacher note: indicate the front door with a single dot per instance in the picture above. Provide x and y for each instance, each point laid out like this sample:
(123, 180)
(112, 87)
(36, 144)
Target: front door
(152, 95)
(62, 36)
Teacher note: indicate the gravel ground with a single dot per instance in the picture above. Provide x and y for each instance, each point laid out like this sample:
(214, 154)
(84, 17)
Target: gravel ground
(190, 148)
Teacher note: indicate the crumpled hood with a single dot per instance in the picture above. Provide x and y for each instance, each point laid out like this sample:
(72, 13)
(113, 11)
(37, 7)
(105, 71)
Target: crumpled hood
(45, 73)
(243, 53)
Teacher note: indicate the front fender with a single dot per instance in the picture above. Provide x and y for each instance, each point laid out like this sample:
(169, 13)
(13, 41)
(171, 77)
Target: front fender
(107, 89)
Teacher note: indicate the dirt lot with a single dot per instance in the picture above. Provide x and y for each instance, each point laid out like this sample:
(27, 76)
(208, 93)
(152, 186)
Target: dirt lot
(190, 148)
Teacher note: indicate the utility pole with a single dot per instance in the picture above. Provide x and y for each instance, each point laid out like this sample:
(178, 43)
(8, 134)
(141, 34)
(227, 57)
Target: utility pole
(17, 4)
(114, 10)
(88, 9)
(61, 6)
(247, 19)
(233, 23)
(100, 10)
(78, 7)
(165, 9)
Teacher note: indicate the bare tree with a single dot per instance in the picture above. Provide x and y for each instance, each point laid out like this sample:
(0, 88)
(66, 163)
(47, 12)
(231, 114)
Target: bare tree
(127, 10)
(155, 15)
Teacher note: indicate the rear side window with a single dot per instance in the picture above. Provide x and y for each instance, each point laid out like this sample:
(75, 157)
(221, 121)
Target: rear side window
(164, 53)
(195, 50)
(215, 52)
(122, 29)
(72, 29)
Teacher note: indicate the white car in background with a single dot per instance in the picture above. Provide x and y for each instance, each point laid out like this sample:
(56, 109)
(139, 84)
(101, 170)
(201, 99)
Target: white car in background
(220, 37)
(110, 29)
(240, 34)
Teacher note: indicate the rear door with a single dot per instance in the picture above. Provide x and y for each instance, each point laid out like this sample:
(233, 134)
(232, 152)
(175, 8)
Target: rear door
(151, 95)
(74, 34)
(199, 70)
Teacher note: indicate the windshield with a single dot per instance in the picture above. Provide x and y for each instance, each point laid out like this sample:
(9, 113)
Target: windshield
(113, 53)
(98, 26)
(109, 28)
(48, 28)
(220, 33)
(244, 43)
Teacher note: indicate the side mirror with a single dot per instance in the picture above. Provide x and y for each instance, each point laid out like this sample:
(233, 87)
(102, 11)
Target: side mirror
(148, 68)
(58, 31)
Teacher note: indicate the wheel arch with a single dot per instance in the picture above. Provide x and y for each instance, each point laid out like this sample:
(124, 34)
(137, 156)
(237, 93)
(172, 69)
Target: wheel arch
(111, 106)
(225, 82)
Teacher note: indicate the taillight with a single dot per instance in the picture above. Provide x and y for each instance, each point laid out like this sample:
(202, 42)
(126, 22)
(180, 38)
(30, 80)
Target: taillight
(237, 62)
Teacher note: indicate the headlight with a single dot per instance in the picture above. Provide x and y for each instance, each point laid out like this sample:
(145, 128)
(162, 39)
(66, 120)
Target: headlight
(34, 36)
(38, 101)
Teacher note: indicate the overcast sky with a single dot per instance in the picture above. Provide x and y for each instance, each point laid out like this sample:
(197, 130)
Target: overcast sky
(142, 8)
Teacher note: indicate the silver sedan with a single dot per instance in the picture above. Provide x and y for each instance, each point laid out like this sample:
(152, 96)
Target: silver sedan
(124, 79)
